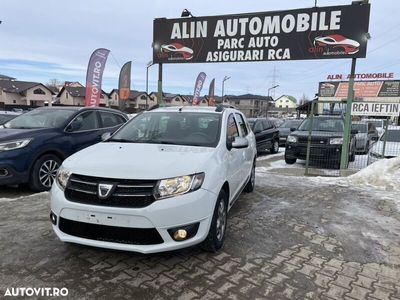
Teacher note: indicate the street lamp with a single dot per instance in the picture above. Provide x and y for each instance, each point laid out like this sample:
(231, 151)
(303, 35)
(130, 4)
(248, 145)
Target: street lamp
(149, 64)
(223, 85)
(267, 106)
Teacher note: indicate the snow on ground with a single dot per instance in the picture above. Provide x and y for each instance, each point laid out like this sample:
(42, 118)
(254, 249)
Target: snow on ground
(384, 174)
(44, 194)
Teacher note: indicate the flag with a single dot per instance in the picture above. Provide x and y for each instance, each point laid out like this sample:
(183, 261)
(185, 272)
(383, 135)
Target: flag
(124, 85)
(94, 76)
(197, 88)
(211, 98)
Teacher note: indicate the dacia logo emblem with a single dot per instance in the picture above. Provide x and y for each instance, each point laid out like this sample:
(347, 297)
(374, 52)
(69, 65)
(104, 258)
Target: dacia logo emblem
(105, 190)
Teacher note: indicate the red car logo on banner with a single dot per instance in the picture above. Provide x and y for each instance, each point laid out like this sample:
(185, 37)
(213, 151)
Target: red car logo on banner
(177, 49)
(338, 41)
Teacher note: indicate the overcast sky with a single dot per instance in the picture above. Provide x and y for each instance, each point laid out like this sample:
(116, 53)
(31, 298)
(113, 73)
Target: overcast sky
(45, 39)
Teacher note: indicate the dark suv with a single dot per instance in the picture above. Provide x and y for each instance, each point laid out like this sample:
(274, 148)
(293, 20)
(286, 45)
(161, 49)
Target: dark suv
(326, 141)
(267, 135)
(33, 145)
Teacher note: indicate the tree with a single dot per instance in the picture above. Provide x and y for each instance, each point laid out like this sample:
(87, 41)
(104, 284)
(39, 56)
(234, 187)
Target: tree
(54, 84)
(304, 99)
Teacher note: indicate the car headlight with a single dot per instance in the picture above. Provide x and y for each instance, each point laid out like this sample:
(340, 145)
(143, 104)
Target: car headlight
(171, 187)
(291, 139)
(62, 177)
(12, 145)
(336, 141)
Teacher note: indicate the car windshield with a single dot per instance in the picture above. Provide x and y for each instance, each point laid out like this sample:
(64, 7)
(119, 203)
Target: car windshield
(40, 118)
(392, 136)
(6, 118)
(290, 124)
(176, 128)
(359, 127)
(323, 124)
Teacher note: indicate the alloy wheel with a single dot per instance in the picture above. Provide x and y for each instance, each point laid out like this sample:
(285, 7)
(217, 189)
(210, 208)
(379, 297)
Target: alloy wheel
(221, 220)
(48, 172)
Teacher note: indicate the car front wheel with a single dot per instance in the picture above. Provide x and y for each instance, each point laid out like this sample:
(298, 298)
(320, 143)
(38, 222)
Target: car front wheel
(290, 161)
(252, 181)
(275, 147)
(216, 235)
(44, 172)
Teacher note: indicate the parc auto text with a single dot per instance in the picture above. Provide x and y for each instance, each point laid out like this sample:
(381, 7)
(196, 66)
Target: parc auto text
(232, 44)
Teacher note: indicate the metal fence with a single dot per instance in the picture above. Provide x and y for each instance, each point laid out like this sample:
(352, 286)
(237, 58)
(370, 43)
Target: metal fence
(370, 140)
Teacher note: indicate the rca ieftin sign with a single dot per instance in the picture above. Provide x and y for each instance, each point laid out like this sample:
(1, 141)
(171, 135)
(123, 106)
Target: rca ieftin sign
(375, 109)
(312, 33)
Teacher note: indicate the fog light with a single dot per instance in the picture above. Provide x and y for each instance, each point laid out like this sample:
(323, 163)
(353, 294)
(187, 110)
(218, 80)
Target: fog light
(183, 233)
(180, 234)
(53, 218)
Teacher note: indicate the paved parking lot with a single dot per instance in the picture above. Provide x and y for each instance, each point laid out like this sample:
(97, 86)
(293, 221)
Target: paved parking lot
(293, 238)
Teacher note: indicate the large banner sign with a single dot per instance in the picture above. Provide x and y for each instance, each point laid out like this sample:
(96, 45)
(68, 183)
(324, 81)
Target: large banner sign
(197, 88)
(362, 89)
(312, 33)
(375, 109)
(94, 76)
(124, 83)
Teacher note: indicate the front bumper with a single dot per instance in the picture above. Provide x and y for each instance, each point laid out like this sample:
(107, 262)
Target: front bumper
(14, 167)
(330, 153)
(194, 207)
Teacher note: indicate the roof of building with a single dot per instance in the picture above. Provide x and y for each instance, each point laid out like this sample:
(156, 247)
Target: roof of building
(75, 91)
(133, 94)
(291, 98)
(18, 87)
(5, 77)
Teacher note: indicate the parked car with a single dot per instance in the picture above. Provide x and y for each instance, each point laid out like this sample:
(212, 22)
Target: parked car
(326, 141)
(267, 135)
(392, 147)
(378, 124)
(6, 116)
(33, 145)
(165, 180)
(366, 135)
(286, 128)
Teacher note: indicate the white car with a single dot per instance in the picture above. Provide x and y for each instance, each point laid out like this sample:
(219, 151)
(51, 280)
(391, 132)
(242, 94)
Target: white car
(166, 180)
(392, 147)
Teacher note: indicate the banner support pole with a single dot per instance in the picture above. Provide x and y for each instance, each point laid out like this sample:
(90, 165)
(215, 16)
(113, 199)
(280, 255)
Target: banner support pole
(344, 159)
(160, 92)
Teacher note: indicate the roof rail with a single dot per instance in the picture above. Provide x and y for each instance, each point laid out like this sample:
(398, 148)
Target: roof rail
(221, 107)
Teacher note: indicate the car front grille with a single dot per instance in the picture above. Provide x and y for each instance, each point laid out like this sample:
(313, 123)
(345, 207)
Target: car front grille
(315, 140)
(127, 192)
(113, 234)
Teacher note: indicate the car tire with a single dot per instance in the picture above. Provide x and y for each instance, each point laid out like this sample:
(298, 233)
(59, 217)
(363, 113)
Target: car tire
(275, 147)
(252, 181)
(290, 161)
(44, 172)
(216, 235)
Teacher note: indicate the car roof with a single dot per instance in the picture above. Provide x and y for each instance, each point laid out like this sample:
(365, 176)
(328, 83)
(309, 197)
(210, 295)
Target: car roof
(80, 108)
(197, 109)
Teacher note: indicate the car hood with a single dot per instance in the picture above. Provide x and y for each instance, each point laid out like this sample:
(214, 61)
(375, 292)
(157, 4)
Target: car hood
(139, 161)
(284, 131)
(7, 134)
(391, 149)
(304, 133)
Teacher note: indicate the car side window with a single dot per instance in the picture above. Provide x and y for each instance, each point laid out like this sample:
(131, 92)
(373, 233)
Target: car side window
(232, 129)
(267, 124)
(242, 124)
(85, 121)
(110, 119)
(258, 127)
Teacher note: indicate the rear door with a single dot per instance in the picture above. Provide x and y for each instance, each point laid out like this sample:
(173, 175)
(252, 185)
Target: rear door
(268, 133)
(247, 155)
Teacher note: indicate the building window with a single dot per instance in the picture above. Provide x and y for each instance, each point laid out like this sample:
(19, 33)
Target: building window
(237, 102)
(280, 106)
(287, 106)
(115, 97)
(66, 95)
(287, 101)
(39, 92)
(14, 101)
(143, 97)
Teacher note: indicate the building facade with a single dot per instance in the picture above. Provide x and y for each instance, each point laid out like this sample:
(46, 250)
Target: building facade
(286, 101)
(75, 96)
(251, 105)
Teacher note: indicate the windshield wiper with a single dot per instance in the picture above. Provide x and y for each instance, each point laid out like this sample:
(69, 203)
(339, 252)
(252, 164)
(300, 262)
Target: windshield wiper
(121, 141)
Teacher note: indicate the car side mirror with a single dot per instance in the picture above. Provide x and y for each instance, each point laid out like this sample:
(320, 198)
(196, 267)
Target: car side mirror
(240, 143)
(105, 136)
(293, 129)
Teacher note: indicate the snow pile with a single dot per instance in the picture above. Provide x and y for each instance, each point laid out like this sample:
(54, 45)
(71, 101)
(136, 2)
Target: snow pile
(384, 174)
